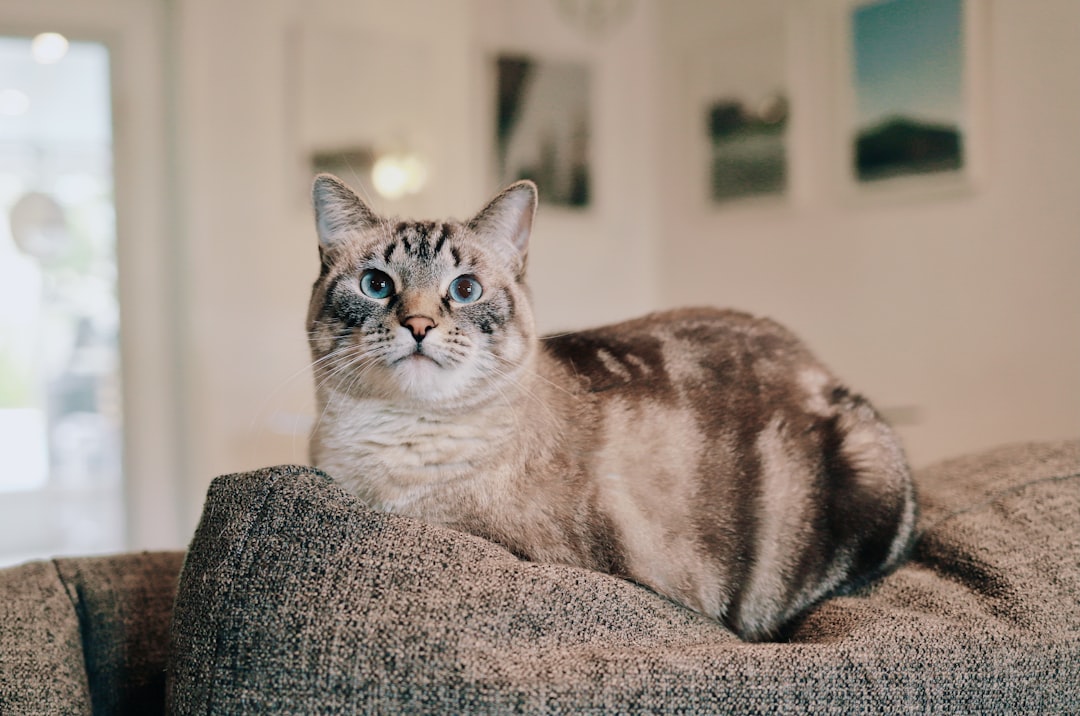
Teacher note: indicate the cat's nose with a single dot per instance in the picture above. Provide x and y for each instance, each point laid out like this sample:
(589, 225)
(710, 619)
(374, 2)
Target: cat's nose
(419, 325)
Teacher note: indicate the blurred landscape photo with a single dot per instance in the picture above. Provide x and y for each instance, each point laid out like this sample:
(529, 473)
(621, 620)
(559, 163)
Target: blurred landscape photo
(741, 109)
(909, 93)
(748, 148)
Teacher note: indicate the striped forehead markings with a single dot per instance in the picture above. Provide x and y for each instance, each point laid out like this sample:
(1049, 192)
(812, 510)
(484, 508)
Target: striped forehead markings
(420, 240)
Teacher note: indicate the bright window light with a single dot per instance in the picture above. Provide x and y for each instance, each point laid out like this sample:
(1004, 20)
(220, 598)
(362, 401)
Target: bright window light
(13, 102)
(48, 48)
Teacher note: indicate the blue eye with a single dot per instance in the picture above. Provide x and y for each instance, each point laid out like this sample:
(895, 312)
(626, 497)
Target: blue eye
(465, 289)
(376, 284)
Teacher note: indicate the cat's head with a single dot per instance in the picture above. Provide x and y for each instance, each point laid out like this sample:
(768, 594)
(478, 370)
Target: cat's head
(429, 312)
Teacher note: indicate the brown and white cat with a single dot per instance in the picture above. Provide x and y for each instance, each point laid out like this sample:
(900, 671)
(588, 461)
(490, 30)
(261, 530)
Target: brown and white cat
(705, 454)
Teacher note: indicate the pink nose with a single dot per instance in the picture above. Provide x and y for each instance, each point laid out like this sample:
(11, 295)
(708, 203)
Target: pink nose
(419, 325)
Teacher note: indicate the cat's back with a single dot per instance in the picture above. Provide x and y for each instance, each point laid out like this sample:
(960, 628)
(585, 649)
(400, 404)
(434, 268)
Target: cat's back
(669, 352)
(778, 484)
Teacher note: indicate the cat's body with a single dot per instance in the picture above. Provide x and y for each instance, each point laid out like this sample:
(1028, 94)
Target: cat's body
(703, 453)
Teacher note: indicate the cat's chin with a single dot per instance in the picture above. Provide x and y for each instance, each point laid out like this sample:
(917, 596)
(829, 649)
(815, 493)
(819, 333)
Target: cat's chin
(424, 380)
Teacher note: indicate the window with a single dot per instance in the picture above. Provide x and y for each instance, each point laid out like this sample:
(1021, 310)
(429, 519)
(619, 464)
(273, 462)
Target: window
(60, 391)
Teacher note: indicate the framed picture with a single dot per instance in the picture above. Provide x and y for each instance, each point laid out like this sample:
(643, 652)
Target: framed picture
(542, 127)
(912, 95)
(741, 113)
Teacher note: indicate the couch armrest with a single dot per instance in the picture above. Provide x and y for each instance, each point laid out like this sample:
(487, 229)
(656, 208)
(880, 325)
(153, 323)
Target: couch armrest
(124, 604)
(86, 635)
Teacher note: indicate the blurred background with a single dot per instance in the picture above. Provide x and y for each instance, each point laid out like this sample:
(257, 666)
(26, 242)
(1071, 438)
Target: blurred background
(898, 185)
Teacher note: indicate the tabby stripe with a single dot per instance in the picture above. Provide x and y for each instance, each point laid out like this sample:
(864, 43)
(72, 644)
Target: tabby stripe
(389, 251)
(780, 495)
(423, 245)
(495, 312)
(511, 306)
(328, 297)
(746, 525)
(606, 548)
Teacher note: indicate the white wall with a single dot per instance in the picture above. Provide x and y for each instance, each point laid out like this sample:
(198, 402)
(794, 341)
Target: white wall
(961, 311)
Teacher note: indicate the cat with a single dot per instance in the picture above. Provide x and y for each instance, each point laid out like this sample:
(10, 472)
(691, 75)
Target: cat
(705, 454)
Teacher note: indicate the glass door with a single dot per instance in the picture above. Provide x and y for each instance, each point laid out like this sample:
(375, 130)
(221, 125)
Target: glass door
(61, 488)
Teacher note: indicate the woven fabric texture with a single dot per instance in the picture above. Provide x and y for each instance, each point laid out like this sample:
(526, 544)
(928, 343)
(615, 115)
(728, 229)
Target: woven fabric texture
(41, 662)
(296, 598)
(86, 635)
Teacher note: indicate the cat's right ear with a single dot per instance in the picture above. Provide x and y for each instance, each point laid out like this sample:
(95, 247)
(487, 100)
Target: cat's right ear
(339, 212)
(508, 219)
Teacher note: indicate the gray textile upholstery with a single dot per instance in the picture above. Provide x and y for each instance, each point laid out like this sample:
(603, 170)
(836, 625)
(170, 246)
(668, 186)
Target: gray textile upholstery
(86, 635)
(295, 598)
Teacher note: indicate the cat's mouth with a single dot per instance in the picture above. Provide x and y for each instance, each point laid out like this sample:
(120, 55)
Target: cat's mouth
(417, 356)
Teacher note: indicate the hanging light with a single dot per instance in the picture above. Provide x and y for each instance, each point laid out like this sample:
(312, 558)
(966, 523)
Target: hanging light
(48, 48)
(396, 175)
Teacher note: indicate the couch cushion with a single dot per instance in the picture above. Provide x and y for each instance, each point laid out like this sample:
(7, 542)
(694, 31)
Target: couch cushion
(295, 597)
(124, 604)
(41, 656)
(86, 635)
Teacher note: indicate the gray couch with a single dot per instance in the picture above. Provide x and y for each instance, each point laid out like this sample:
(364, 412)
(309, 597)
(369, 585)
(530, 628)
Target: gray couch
(86, 635)
(294, 598)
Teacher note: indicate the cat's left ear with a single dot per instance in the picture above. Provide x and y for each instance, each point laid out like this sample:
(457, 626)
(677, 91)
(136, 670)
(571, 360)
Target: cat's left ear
(339, 212)
(507, 222)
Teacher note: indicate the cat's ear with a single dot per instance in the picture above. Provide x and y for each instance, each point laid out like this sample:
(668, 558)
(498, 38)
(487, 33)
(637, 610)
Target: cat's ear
(339, 212)
(507, 222)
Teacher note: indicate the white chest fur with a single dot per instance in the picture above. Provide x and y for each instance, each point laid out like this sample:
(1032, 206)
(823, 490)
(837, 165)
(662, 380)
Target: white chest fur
(392, 456)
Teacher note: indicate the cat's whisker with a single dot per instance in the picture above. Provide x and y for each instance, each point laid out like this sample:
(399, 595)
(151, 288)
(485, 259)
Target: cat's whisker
(339, 362)
(338, 369)
(525, 391)
(360, 365)
(537, 375)
(256, 426)
(355, 364)
(510, 406)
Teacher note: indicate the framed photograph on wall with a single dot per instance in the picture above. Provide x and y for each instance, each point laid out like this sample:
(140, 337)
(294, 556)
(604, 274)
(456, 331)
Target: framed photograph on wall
(542, 126)
(741, 113)
(912, 95)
